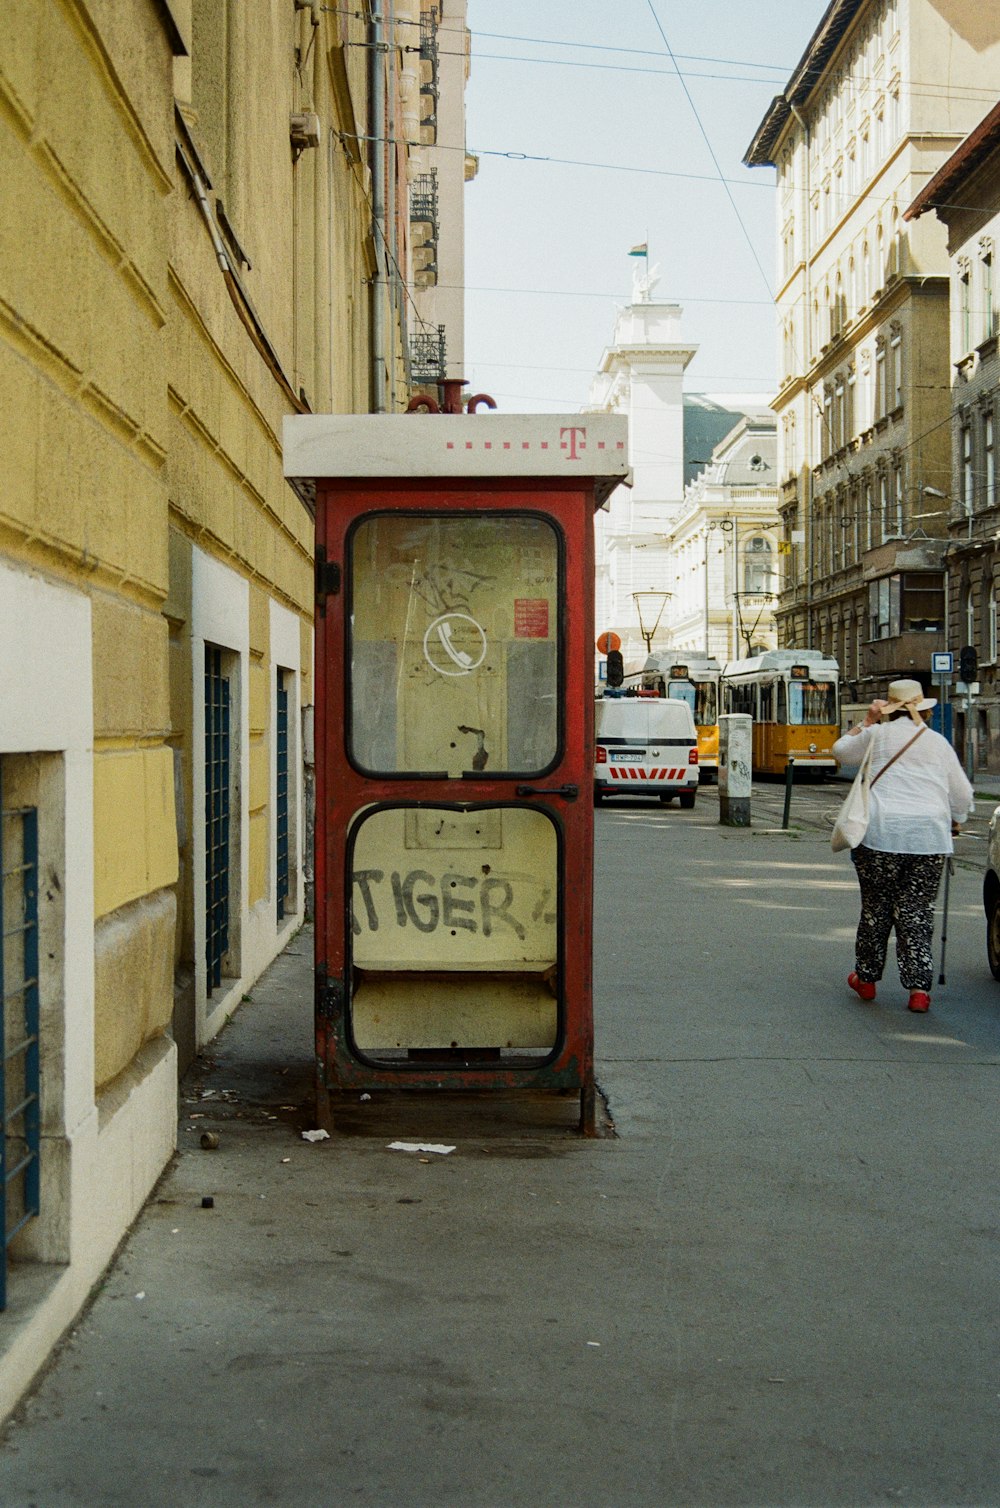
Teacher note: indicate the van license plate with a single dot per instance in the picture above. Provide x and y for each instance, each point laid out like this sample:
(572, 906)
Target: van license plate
(627, 758)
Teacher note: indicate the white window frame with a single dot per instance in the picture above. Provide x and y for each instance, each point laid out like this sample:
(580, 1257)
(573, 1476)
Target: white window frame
(880, 389)
(883, 505)
(964, 305)
(989, 461)
(968, 477)
(989, 313)
(896, 351)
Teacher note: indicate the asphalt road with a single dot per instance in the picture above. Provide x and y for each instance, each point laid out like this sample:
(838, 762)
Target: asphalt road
(774, 1284)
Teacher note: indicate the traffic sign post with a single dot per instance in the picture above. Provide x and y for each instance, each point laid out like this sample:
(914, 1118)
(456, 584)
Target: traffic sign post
(942, 667)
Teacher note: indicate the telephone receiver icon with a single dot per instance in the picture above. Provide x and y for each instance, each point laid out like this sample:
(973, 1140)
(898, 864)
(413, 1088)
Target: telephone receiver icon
(458, 655)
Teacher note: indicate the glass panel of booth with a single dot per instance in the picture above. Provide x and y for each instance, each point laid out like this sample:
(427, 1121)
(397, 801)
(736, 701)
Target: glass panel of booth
(454, 648)
(454, 928)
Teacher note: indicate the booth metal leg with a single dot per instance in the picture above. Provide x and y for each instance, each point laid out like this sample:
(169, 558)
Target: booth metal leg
(324, 1104)
(588, 1109)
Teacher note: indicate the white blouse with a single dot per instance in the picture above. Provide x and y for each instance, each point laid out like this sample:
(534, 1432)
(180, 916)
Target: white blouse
(916, 801)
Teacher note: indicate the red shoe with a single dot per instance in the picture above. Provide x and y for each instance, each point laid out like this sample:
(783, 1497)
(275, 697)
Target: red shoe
(862, 988)
(919, 1000)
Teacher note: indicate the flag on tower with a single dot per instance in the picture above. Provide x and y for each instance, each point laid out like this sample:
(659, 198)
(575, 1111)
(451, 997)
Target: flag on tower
(642, 250)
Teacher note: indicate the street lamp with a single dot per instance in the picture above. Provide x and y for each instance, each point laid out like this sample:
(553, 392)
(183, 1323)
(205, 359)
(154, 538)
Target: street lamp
(726, 525)
(650, 599)
(946, 498)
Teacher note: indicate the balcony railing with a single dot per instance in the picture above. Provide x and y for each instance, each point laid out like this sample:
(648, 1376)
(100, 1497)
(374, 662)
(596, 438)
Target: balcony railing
(427, 355)
(429, 76)
(424, 203)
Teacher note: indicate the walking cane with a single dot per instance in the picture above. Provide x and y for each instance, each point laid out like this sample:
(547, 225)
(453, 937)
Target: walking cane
(949, 866)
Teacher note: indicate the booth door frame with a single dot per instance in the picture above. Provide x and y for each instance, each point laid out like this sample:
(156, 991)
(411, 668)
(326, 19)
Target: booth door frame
(342, 791)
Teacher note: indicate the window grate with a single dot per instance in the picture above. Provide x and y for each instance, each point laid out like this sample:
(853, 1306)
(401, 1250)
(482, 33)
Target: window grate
(20, 1088)
(281, 802)
(217, 752)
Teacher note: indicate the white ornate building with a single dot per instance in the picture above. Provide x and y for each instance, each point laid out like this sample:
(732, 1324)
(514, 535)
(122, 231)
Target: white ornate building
(724, 548)
(672, 434)
(641, 374)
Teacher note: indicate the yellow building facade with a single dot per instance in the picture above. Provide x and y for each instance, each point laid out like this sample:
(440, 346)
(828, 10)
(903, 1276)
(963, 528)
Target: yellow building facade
(862, 308)
(191, 250)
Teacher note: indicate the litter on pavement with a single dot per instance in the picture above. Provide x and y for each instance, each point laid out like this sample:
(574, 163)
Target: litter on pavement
(419, 1146)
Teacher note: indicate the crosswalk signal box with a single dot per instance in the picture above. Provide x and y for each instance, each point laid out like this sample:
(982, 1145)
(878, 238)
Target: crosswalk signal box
(454, 746)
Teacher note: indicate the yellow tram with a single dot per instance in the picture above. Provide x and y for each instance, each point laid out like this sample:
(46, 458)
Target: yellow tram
(692, 678)
(792, 696)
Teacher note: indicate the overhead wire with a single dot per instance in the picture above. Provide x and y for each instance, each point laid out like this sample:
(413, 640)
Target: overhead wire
(761, 303)
(512, 155)
(929, 90)
(971, 94)
(644, 52)
(663, 73)
(720, 177)
(783, 69)
(711, 151)
(499, 36)
(516, 156)
(522, 366)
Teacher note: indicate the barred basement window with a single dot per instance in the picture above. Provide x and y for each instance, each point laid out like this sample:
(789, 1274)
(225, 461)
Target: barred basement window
(217, 813)
(281, 795)
(20, 1097)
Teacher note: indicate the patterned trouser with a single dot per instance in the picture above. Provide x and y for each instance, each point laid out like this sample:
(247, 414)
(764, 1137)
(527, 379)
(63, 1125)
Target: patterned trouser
(897, 890)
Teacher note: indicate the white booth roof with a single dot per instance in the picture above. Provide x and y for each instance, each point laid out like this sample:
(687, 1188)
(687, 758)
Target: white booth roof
(458, 445)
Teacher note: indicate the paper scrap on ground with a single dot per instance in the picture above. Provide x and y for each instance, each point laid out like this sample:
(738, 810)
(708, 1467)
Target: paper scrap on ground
(315, 1136)
(419, 1146)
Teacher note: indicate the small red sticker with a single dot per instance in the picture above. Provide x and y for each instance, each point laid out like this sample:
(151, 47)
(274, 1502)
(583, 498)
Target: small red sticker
(531, 618)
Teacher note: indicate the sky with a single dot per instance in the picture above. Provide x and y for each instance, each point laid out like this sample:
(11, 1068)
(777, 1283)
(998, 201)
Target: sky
(589, 144)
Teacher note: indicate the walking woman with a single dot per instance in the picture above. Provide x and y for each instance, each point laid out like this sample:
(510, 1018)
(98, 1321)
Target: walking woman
(918, 797)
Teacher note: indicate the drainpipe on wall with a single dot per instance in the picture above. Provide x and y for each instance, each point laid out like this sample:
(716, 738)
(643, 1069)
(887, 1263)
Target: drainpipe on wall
(377, 133)
(808, 359)
(392, 271)
(407, 14)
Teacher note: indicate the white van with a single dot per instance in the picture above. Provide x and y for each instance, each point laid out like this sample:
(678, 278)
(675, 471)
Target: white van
(645, 746)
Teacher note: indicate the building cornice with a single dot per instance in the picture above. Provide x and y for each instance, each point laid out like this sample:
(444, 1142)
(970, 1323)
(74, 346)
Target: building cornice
(975, 150)
(813, 64)
(636, 356)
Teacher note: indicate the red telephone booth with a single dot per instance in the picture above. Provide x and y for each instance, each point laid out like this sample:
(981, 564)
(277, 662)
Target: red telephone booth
(454, 746)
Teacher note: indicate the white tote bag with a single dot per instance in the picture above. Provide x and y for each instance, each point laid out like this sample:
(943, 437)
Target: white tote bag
(852, 819)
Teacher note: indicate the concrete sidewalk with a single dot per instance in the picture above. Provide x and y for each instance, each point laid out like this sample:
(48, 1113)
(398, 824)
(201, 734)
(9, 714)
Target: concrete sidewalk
(775, 1285)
